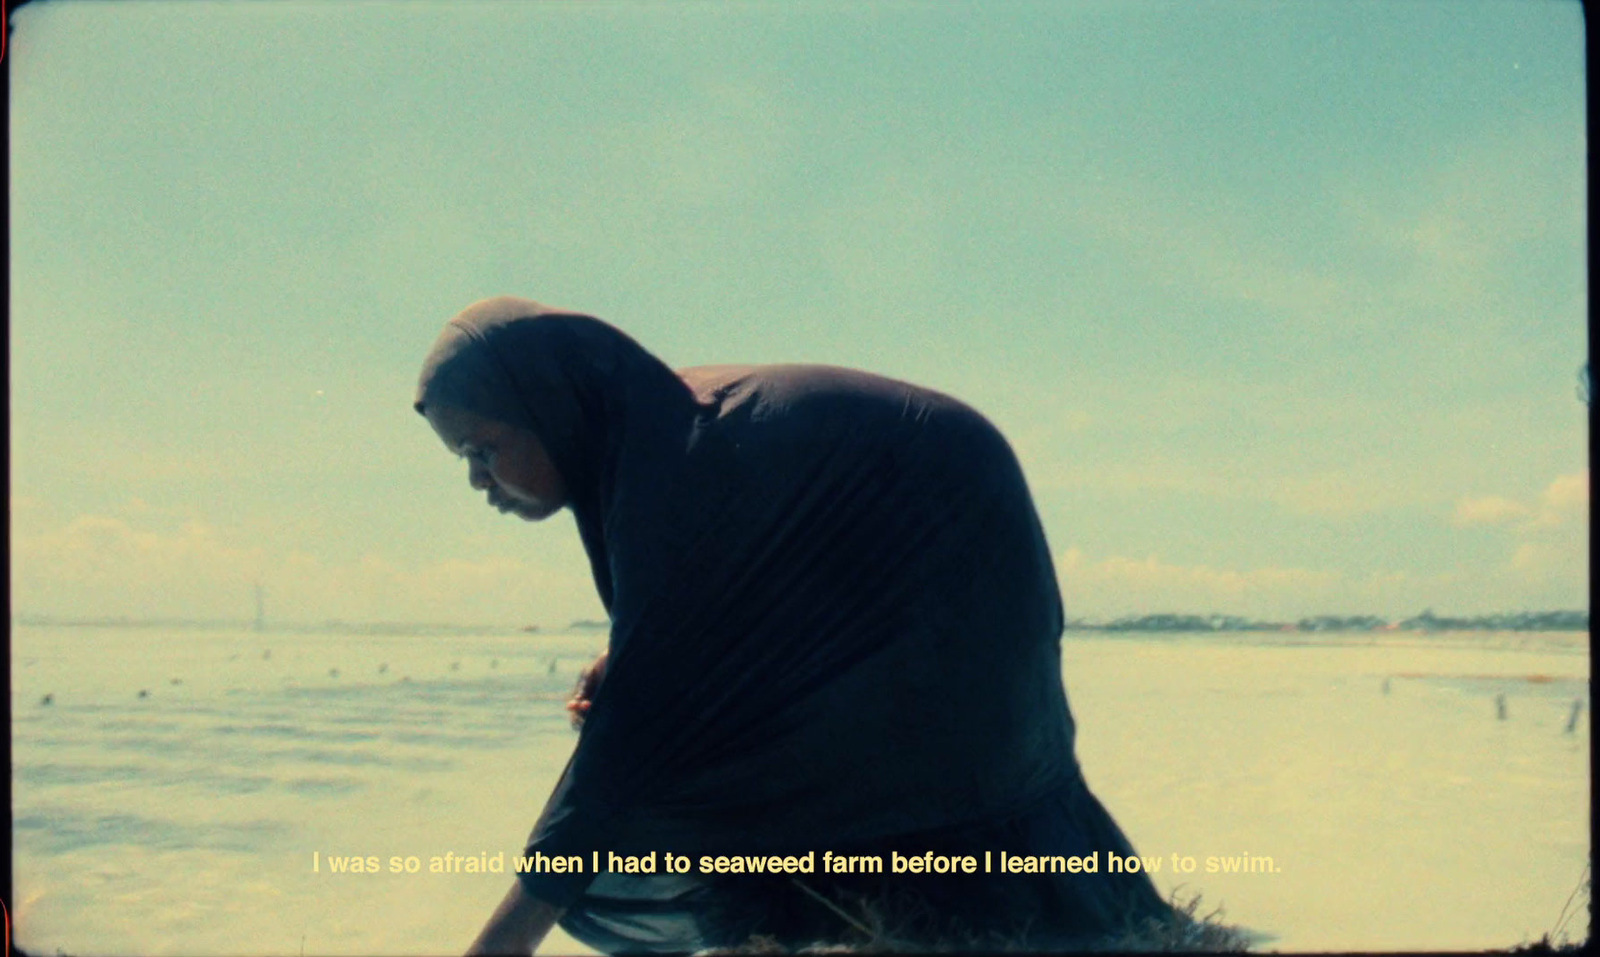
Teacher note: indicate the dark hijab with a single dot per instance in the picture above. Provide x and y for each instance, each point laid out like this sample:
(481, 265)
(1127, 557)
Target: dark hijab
(834, 618)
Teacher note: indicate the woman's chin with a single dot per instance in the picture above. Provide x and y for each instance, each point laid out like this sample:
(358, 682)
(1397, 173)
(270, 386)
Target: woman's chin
(532, 513)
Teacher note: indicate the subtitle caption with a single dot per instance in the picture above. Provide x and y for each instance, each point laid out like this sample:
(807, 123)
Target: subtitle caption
(606, 862)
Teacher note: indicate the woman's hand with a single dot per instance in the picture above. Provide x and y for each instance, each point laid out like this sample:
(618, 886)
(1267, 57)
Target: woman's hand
(583, 691)
(517, 927)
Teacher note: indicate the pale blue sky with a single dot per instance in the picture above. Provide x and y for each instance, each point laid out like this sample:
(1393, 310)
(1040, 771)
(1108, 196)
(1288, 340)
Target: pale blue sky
(1280, 303)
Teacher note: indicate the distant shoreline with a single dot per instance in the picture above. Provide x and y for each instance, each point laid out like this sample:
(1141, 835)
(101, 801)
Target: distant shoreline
(335, 626)
(1528, 621)
(1425, 622)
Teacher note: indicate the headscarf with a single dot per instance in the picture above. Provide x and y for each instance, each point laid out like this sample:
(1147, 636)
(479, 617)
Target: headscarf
(834, 617)
(583, 387)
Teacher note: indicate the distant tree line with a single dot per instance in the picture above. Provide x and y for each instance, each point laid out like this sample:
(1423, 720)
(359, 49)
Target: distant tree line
(1427, 621)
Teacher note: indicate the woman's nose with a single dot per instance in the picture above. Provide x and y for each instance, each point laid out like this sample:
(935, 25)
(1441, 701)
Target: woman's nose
(479, 478)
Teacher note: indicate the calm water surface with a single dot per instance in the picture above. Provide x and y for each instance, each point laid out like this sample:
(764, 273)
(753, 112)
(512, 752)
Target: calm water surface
(1398, 808)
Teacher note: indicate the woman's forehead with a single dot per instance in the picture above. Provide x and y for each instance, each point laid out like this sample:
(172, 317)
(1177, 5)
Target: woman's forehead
(465, 373)
(458, 426)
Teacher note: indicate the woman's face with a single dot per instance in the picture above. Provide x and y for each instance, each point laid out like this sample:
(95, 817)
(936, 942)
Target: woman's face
(507, 462)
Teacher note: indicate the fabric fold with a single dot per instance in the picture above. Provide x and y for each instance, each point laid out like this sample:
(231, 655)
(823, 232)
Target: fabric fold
(834, 616)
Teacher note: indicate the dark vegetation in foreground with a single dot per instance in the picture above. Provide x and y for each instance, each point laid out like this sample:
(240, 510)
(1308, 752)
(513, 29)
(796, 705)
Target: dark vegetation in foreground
(1579, 903)
(872, 931)
(1545, 946)
(1184, 930)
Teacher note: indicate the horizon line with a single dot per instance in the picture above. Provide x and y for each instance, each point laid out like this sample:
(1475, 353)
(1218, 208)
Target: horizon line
(1560, 619)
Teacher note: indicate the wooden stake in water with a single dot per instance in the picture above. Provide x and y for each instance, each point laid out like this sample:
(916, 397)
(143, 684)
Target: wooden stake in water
(1500, 706)
(1572, 719)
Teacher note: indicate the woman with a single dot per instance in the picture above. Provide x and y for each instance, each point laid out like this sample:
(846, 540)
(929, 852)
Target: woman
(834, 627)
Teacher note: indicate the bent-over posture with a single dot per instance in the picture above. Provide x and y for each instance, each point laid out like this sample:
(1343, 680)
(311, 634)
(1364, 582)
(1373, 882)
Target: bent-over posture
(835, 626)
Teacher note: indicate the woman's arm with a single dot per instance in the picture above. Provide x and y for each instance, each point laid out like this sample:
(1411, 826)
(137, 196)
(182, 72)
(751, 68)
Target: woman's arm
(517, 926)
(522, 920)
(583, 692)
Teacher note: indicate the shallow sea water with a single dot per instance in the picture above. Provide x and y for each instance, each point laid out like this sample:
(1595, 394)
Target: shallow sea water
(198, 819)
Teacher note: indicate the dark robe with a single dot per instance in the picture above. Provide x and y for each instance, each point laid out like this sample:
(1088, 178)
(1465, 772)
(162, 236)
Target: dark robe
(835, 626)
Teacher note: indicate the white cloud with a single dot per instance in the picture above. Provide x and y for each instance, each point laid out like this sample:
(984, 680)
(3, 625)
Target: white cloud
(1552, 550)
(1119, 585)
(102, 566)
(1565, 502)
(1547, 565)
(1549, 573)
(1488, 510)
